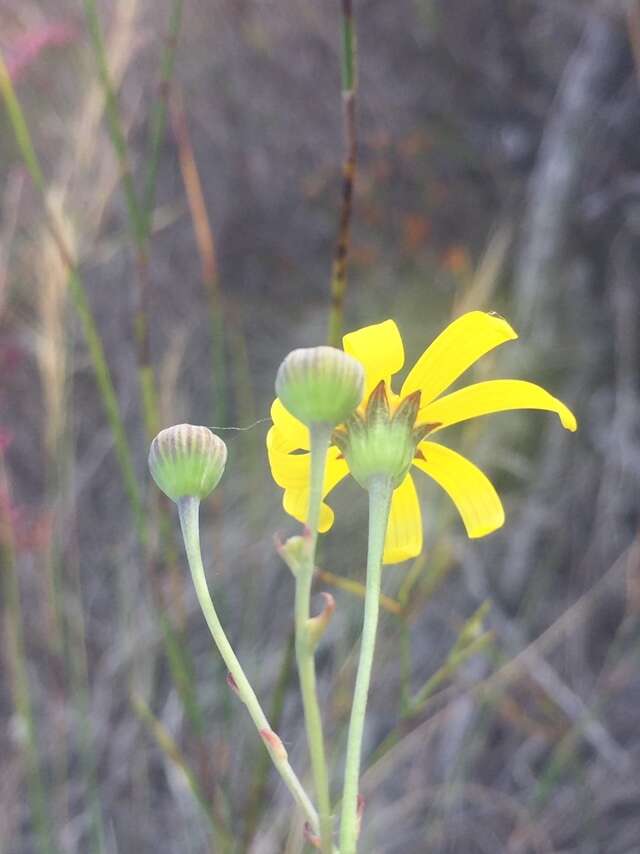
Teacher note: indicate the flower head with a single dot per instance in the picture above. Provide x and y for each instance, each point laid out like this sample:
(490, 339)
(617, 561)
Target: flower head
(390, 430)
(187, 461)
(320, 385)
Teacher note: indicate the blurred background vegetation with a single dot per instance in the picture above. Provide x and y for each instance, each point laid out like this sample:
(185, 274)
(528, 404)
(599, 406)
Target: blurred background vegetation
(168, 218)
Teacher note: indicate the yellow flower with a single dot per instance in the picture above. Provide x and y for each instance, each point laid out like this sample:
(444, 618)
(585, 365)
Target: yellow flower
(380, 350)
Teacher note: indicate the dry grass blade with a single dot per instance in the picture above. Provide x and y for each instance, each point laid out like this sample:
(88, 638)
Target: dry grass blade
(513, 669)
(206, 252)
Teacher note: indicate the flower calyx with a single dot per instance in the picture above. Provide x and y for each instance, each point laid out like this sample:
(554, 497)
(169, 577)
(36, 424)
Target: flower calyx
(380, 442)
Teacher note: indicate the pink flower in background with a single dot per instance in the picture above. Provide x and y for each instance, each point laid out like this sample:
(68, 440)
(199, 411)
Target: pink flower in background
(6, 438)
(27, 48)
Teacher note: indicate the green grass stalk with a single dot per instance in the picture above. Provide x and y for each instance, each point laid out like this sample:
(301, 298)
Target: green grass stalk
(80, 301)
(109, 401)
(207, 252)
(170, 749)
(17, 662)
(140, 215)
(137, 223)
(79, 678)
(68, 634)
(175, 654)
(159, 113)
(114, 122)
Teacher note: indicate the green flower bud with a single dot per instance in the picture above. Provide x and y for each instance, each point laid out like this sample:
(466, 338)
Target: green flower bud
(294, 551)
(187, 461)
(317, 626)
(320, 385)
(379, 443)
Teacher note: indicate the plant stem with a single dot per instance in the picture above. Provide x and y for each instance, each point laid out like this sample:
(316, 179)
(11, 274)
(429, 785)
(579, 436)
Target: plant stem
(80, 301)
(160, 111)
(114, 121)
(138, 223)
(188, 509)
(16, 657)
(166, 743)
(256, 801)
(349, 89)
(207, 251)
(320, 438)
(380, 491)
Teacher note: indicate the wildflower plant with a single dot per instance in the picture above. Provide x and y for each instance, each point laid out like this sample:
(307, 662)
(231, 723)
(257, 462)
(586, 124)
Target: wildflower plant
(336, 414)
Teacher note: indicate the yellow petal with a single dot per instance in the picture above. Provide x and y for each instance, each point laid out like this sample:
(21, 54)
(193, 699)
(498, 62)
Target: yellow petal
(379, 350)
(461, 344)
(291, 434)
(494, 396)
(470, 489)
(404, 531)
(293, 475)
(292, 471)
(279, 441)
(296, 504)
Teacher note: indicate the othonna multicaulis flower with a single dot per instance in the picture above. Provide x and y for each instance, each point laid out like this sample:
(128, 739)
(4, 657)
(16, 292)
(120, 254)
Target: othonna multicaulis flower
(380, 351)
(320, 387)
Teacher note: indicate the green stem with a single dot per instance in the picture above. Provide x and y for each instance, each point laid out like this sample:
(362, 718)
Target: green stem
(80, 301)
(114, 120)
(380, 491)
(159, 113)
(17, 662)
(348, 59)
(320, 438)
(109, 398)
(256, 801)
(188, 509)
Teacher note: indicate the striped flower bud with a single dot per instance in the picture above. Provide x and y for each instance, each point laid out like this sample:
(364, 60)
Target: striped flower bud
(320, 385)
(187, 461)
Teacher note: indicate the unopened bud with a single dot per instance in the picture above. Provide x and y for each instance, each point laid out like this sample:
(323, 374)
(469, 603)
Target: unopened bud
(294, 551)
(317, 626)
(320, 385)
(187, 461)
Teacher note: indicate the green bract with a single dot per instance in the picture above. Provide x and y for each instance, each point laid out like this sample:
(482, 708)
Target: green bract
(379, 443)
(320, 385)
(187, 461)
